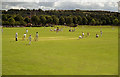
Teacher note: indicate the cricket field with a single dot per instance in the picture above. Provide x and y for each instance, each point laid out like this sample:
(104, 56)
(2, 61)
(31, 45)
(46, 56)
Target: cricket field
(60, 53)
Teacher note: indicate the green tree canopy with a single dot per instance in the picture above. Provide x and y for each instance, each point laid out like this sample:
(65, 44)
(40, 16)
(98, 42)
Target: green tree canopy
(115, 21)
(18, 18)
(79, 20)
(23, 23)
(11, 21)
(108, 21)
(27, 20)
(49, 19)
(69, 20)
(62, 20)
(43, 20)
(4, 17)
(84, 21)
(75, 20)
(93, 22)
(35, 20)
(55, 20)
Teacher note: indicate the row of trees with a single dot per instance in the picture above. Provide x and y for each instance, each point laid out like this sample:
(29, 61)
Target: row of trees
(77, 12)
(62, 20)
(22, 17)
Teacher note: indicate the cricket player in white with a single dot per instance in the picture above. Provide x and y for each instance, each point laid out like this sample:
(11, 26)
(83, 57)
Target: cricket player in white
(30, 38)
(36, 39)
(24, 36)
(97, 35)
(26, 31)
(80, 37)
(16, 36)
(82, 34)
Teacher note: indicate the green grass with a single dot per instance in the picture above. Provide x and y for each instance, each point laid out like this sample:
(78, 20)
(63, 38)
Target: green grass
(61, 53)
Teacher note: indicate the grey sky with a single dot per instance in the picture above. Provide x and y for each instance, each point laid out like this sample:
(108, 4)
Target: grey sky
(60, 0)
(107, 5)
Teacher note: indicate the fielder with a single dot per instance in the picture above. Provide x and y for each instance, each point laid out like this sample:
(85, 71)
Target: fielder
(36, 38)
(24, 36)
(30, 39)
(80, 37)
(16, 37)
(26, 31)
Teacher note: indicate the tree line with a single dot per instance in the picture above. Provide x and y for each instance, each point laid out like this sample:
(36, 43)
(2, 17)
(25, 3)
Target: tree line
(15, 17)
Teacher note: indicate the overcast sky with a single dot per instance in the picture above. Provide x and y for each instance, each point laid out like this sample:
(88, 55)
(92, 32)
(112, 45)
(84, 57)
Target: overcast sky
(107, 5)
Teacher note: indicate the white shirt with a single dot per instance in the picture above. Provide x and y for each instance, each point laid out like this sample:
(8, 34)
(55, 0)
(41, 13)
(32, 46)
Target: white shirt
(83, 34)
(16, 35)
(36, 34)
(24, 35)
(97, 35)
(80, 36)
(26, 31)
